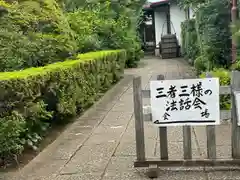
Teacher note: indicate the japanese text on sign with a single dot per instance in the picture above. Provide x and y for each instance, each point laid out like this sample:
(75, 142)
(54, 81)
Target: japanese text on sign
(185, 102)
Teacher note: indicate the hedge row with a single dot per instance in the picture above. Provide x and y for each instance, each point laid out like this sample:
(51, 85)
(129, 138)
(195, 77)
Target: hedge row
(190, 47)
(207, 38)
(213, 21)
(32, 99)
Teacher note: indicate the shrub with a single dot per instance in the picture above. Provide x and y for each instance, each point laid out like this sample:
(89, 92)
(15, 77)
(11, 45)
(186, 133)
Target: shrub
(190, 47)
(34, 33)
(200, 64)
(34, 98)
(236, 65)
(86, 24)
(207, 38)
(224, 79)
(97, 29)
(212, 22)
(11, 128)
(134, 55)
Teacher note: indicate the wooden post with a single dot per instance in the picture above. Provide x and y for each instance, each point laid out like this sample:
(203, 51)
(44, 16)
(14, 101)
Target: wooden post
(187, 142)
(235, 86)
(163, 135)
(211, 138)
(154, 30)
(138, 112)
(187, 138)
(168, 20)
(187, 13)
(211, 142)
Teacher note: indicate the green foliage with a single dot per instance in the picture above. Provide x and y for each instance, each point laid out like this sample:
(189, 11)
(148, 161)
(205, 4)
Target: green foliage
(87, 24)
(34, 33)
(190, 47)
(236, 65)
(34, 98)
(190, 3)
(207, 39)
(134, 55)
(213, 21)
(200, 64)
(108, 25)
(235, 28)
(224, 79)
(99, 27)
(37, 122)
(11, 128)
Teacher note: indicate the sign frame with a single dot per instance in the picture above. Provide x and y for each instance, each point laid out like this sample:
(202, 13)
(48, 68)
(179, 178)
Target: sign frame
(210, 96)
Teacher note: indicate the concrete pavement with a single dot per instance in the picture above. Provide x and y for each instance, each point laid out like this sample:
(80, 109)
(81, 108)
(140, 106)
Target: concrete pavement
(100, 145)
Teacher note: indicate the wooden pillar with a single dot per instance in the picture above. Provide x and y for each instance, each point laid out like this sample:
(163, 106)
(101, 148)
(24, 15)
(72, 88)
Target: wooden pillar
(168, 19)
(154, 29)
(187, 13)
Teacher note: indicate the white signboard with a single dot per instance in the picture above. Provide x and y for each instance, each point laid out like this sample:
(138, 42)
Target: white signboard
(185, 102)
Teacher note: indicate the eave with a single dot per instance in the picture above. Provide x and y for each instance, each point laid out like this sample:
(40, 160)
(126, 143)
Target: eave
(153, 5)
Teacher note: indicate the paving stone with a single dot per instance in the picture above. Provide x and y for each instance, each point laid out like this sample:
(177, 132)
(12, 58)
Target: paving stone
(129, 148)
(223, 140)
(127, 175)
(79, 129)
(175, 151)
(223, 134)
(124, 163)
(123, 107)
(90, 159)
(66, 149)
(62, 177)
(122, 168)
(117, 119)
(121, 163)
(67, 144)
(79, 177)
(175, 134)
(115, 130)
(150, 131)
(94, 113)
(182, 175)
(226, 175)
(98, 139)
(43, 170)
(95, 164)
(113, 95)
(103, 106)
(127, 96)
(224, 152)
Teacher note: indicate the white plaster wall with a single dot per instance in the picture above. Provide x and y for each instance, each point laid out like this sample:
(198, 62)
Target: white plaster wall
(191, 13)
(160, 19)
(177, 16)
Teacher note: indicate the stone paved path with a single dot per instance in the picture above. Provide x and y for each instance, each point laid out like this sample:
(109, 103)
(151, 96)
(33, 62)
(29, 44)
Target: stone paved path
(100, 145)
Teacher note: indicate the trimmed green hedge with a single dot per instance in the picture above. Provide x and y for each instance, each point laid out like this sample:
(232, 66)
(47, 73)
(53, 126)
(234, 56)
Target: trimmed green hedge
(33, 99)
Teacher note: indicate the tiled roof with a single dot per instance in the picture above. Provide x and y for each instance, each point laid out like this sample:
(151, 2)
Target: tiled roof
(154, 3)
